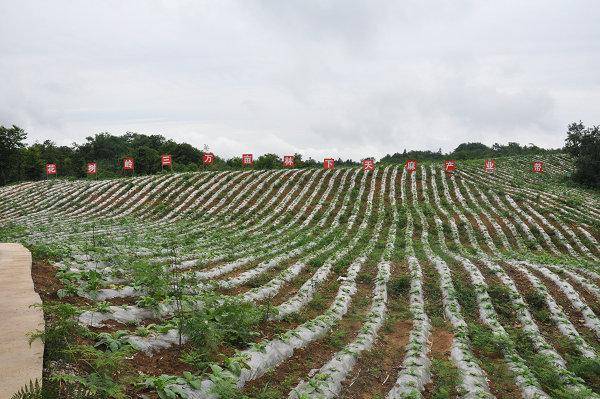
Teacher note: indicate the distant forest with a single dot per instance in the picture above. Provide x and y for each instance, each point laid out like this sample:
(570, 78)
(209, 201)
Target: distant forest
(21, 162)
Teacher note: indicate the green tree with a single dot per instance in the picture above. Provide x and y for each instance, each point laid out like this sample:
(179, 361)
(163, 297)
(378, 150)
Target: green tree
(11, 141)
(584, 145)
(268, 161)
(471, 150)
(147, 160)
(31, 166)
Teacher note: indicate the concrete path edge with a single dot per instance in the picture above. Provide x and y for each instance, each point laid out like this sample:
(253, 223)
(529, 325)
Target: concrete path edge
(20, 362)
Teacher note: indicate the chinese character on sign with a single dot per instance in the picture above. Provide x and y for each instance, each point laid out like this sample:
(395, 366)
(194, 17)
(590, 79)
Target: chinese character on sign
(247, 159)
(208, 158)
(411, 165)
(490, 165)
(288, 161)
(328, 163)
(368, 164)
(166, 160)
(449, 166)
(538, 167)
(128, 164)
(92, 168)
(50, 168)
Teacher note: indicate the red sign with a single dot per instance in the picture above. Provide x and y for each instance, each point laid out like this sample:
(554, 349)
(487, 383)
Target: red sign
(538, 167)
(128, 164)
(490, 165)
(92, 168)
(288, 161)
(247, 159)
(410, 165)
(50, 168)
(368, 164)
(449, 166)
(166, 160)
(328, 163)
(208, 158)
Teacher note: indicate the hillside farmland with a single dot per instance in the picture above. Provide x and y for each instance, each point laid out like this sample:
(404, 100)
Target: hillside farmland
(320, 283)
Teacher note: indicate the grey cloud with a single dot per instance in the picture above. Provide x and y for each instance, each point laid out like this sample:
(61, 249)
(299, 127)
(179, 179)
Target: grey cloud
(341, 78)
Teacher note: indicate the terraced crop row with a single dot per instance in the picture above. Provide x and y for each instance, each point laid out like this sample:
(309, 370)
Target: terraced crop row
(374, 284)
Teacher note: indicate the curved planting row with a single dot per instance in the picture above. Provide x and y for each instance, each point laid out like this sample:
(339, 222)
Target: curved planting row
(321, 283)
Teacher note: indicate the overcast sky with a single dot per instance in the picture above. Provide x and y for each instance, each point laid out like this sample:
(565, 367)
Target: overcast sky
(344, 78)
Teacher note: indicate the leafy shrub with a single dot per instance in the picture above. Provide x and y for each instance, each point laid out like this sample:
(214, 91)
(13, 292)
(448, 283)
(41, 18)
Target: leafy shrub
(105, 372)
(61, 328)
(221, 320)
(154, 279)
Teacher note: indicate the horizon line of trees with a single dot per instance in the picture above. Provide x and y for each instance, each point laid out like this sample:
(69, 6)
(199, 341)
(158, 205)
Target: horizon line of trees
(21, 162)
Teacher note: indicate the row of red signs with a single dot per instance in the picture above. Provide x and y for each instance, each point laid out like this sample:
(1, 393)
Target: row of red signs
(288, 161)
(449, 165)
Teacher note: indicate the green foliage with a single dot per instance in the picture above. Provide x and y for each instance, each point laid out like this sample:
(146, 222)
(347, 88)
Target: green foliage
(446, 379)
(105, 373)
(268, 161)
(486, 342)
(31, 391)
(168, 386)
(153, 278)
(336, 339)
(501, 296)
(61, 328)
(318, 302)
(587, 369)
(220, 320)
(46, 252)
(223, 385)
(200, 359)
(103, 370)
(19, 162)
(112, 342)
(52, 390)
(536, 300)
(584, 145)
(11, 230)
(553, 380)
(11, 142)
(466, 296)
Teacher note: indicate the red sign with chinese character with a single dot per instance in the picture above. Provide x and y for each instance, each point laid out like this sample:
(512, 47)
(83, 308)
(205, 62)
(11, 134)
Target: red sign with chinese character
(50, 168)
(166, 160)
(247, 159)
(288, 161)
(92, 168)
(410, 165)
(490, 165)
(538, 167)
(328, 163)
(368, 164)
(449, 166)
(128, 164)
(208, 158)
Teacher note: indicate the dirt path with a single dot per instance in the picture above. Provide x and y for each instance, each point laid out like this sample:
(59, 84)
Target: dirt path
(19, 361)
